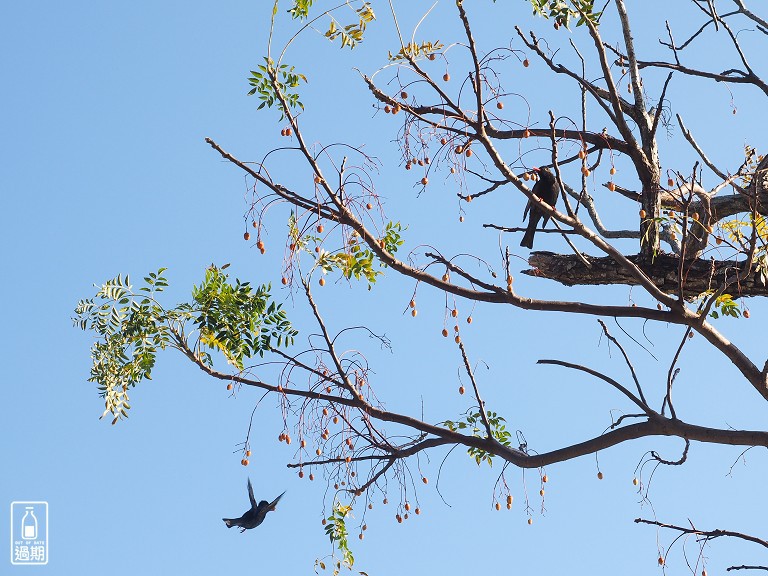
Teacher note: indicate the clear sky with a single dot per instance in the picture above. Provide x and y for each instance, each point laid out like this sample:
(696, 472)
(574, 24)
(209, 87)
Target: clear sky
(103, 170)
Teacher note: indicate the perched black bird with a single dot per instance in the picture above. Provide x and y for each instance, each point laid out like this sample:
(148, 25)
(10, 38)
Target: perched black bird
(546, 189)
(255, 515)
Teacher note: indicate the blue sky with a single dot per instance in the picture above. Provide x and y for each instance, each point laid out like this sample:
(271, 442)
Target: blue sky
(105, 171)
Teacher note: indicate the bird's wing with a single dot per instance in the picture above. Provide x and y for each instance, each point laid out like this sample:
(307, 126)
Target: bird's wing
(274, 502)
(551, 190)
(250, 494)
(537, 187)
(536, 190)
(527, 208)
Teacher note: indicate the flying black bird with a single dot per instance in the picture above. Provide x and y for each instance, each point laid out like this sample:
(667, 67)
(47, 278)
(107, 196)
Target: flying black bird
(255, 515)
(546, 189)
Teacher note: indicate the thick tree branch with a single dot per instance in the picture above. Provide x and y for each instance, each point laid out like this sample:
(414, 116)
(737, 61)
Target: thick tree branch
(655, 426)
(700, 275)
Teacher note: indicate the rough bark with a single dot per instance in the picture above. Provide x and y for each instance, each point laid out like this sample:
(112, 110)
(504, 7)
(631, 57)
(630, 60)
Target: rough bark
(698, 277)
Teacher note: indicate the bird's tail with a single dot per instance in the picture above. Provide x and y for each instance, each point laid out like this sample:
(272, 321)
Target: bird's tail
(228, 522)
(527, 240)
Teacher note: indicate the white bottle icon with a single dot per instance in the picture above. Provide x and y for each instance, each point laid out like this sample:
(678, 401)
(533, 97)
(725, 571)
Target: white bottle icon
(29, 524)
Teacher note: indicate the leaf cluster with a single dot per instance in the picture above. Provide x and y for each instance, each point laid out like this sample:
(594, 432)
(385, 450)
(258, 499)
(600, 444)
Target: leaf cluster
(358, 261)
(562, 13)
(392, 239)
(739, 232)
(300, 9)
(131, 327)
(414, 51)
(268, 81)
(726, 306)
(353, 33)
(474, 424)
(336, 530)
(237, 319)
